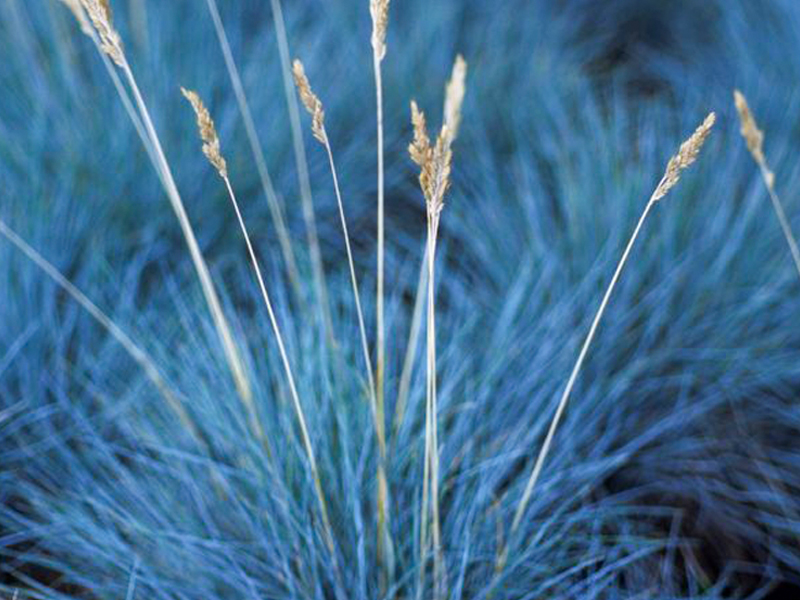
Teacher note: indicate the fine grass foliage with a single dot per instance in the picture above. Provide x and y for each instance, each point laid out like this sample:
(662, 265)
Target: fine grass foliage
(162, 439)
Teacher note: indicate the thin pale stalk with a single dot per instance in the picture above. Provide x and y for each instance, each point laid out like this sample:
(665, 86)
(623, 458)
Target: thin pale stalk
(302, 173)
(438, 567)
(312, 461)
(273, 202)
(209, 291)
(411, 346)
(379, 319)
(430, 486)
(562, 404)
(425, 503)
(130, 593)
(384, 535)
(357, 297)
(139, 355)
(766, 175)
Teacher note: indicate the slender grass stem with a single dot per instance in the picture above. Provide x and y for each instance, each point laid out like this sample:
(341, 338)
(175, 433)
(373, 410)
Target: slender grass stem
(209, 291)
(686, 156)
(411, 346)
(435, 164)
(385, 544)
(379, 11)
(380, 341)
(273, 202)
(314, 107)
(304, 180)
(433, 407)
(766, 175)
(562, 404)
(298, 407)
(430, 482)
(357, 297)
(426, 478)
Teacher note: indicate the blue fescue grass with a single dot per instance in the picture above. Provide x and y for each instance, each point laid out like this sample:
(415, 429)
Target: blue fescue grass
(674, 473)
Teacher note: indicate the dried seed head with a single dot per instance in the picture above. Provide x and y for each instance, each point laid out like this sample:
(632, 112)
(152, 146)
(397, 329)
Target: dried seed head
(454, 96)
(80, 16)
(99, 12)
(686, 155)
(752, 135)
(750, 131)
(379, 9)
(208, 133)
(434, 161)
(421, 146)
(310, 101)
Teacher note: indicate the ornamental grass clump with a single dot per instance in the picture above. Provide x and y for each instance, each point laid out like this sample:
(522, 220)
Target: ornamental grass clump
(306, 504)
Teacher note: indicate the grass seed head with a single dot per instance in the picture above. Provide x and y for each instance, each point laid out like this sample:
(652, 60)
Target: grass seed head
(99, 12)
(434, 161)
(749, 130)
(310, 101)
(420, 147)
(752, 135)
(686, 155)
(454, 96)
(208, 133)
(379, 10)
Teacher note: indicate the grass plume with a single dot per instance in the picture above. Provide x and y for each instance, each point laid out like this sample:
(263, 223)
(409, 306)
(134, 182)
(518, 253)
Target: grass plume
(208, 133)
(754, 138)
(99, 12)
(686, 155)
(454, 97)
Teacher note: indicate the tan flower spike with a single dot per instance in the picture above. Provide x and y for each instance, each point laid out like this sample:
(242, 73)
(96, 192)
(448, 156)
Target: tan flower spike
(753, 136)
(454, 96)
(434, 161)
(379, 10)
(310, 101)
(99, 12)
(208, 133)
(686, 155)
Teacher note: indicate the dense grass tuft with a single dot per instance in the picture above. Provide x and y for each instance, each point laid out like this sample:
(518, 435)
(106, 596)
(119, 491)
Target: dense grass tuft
(675, 471)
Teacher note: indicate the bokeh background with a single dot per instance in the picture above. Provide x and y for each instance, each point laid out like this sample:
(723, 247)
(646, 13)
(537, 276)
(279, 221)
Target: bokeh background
(676, 471)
